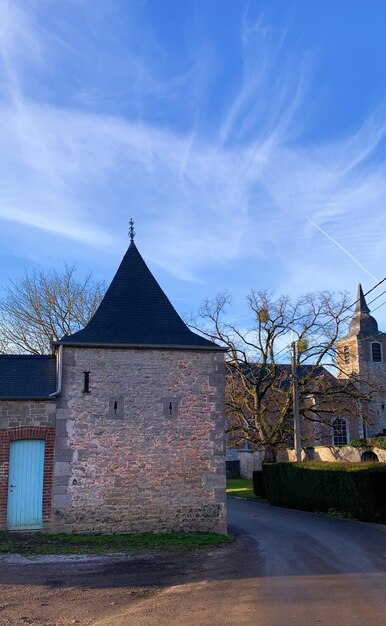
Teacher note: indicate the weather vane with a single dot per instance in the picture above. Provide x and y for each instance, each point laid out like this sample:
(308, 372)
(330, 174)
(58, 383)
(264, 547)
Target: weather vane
(131, 230)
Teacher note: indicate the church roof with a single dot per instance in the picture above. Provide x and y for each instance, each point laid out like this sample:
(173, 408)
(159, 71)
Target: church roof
(136, 312)
(362, 323)
(28, 376)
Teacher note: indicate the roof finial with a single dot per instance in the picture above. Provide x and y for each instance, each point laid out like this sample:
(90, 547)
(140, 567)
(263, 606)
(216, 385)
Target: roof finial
(131, 230)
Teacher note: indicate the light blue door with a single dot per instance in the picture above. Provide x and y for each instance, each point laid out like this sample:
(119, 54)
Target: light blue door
(25, 485)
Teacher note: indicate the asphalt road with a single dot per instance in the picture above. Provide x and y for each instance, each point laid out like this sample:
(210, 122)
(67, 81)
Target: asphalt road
(286, 568)
(314, 569)
(299, 569)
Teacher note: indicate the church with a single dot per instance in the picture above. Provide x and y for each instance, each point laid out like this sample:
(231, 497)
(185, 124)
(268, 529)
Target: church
(326, 435)
(363, 352)
(121, 429)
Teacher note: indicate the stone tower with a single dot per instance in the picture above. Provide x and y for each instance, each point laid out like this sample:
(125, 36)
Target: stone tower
(363, 352)
(140, 417)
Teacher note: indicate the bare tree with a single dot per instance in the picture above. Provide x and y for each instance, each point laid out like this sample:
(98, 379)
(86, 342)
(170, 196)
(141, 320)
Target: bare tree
(258, 382)
(42, 307)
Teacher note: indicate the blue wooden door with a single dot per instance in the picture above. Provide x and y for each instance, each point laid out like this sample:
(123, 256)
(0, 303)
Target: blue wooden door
(25, 484)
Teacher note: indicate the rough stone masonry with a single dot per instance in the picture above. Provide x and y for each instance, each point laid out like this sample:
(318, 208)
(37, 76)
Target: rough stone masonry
(155, 462)
(131, 413)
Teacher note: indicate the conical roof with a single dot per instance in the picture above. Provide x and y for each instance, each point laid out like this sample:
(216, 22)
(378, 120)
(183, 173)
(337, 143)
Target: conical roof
(136, 312)
(362, 323)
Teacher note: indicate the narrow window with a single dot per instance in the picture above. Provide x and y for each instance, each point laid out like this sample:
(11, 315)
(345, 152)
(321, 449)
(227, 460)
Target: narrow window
(116, 408)
(86, 384)
(340, 432)
(170, 407)
(376, 352)
(346, 353)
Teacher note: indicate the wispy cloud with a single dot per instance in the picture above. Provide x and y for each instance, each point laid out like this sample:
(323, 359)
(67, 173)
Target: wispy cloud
(79, 163)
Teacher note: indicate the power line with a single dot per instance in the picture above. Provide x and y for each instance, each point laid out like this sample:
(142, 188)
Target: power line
(378, 307)
(346, 309)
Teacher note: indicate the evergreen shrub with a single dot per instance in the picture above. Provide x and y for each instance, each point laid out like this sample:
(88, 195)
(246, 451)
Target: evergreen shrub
(379, 441)
(258, 484)
(356, 490)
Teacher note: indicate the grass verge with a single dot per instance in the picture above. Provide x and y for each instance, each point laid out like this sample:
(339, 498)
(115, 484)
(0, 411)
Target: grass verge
(47, 543)
(240, 487)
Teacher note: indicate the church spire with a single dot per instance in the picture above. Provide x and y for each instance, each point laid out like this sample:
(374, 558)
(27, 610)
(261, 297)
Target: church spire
(362, 323)
(361, 304)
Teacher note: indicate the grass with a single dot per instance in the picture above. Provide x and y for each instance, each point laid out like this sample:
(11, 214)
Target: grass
(49, 543)
(240, 487)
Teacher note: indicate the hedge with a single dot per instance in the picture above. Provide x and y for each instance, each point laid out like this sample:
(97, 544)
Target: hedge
(371, 442)
(354, 490)
(258, 484)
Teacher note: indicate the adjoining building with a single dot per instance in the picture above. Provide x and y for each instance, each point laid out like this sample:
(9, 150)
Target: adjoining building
(122, 428)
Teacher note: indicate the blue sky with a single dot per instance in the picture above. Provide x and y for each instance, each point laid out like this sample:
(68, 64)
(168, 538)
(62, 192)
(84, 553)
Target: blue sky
(246, 139)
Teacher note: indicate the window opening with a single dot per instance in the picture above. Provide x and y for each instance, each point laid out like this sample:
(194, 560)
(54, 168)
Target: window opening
(86, 384)
(340, 432)
(369, 457)
(376, 352)
(346, 353)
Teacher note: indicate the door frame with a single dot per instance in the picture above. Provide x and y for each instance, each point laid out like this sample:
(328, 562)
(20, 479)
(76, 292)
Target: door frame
(25, 496)
(8, 435)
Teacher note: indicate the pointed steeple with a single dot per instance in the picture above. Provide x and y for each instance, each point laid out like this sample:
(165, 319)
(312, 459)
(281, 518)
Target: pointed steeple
(362, 323)
(361, 304)
(136, 312)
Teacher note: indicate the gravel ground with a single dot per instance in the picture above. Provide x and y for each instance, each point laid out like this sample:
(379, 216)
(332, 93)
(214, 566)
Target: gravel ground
(286, 568)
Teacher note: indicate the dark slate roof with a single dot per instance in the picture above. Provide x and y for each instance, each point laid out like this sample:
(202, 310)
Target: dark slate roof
(362, 323)
(304, 372)
(27, 376)
(136, 312)
(284, 373)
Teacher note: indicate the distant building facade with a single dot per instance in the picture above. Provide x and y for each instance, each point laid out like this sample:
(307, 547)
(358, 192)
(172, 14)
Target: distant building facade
(363, 352)
(361, 355)
(122, 428)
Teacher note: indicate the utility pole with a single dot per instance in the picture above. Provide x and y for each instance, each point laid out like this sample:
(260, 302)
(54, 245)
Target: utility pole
(297, 442)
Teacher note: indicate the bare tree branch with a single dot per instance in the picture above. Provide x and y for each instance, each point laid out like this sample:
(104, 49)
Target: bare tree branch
(42, 307)
(259, 388)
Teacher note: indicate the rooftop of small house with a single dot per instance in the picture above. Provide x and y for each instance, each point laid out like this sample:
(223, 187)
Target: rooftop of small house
(31, 376)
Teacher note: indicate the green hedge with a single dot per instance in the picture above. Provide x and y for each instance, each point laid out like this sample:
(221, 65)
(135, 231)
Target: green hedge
(354, 490)
(258, 484)
(371, 442)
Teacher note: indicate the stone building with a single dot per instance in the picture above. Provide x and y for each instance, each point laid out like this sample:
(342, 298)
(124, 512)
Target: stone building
(363, 352)
(122, 428)
(361, 355)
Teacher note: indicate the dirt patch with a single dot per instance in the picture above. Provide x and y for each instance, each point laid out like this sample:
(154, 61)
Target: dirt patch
(63, 590)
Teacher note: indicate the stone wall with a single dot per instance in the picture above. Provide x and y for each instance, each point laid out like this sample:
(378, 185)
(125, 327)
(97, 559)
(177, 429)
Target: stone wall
(250, 461)
(18, 413)
(144, 449)
(332, 454)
